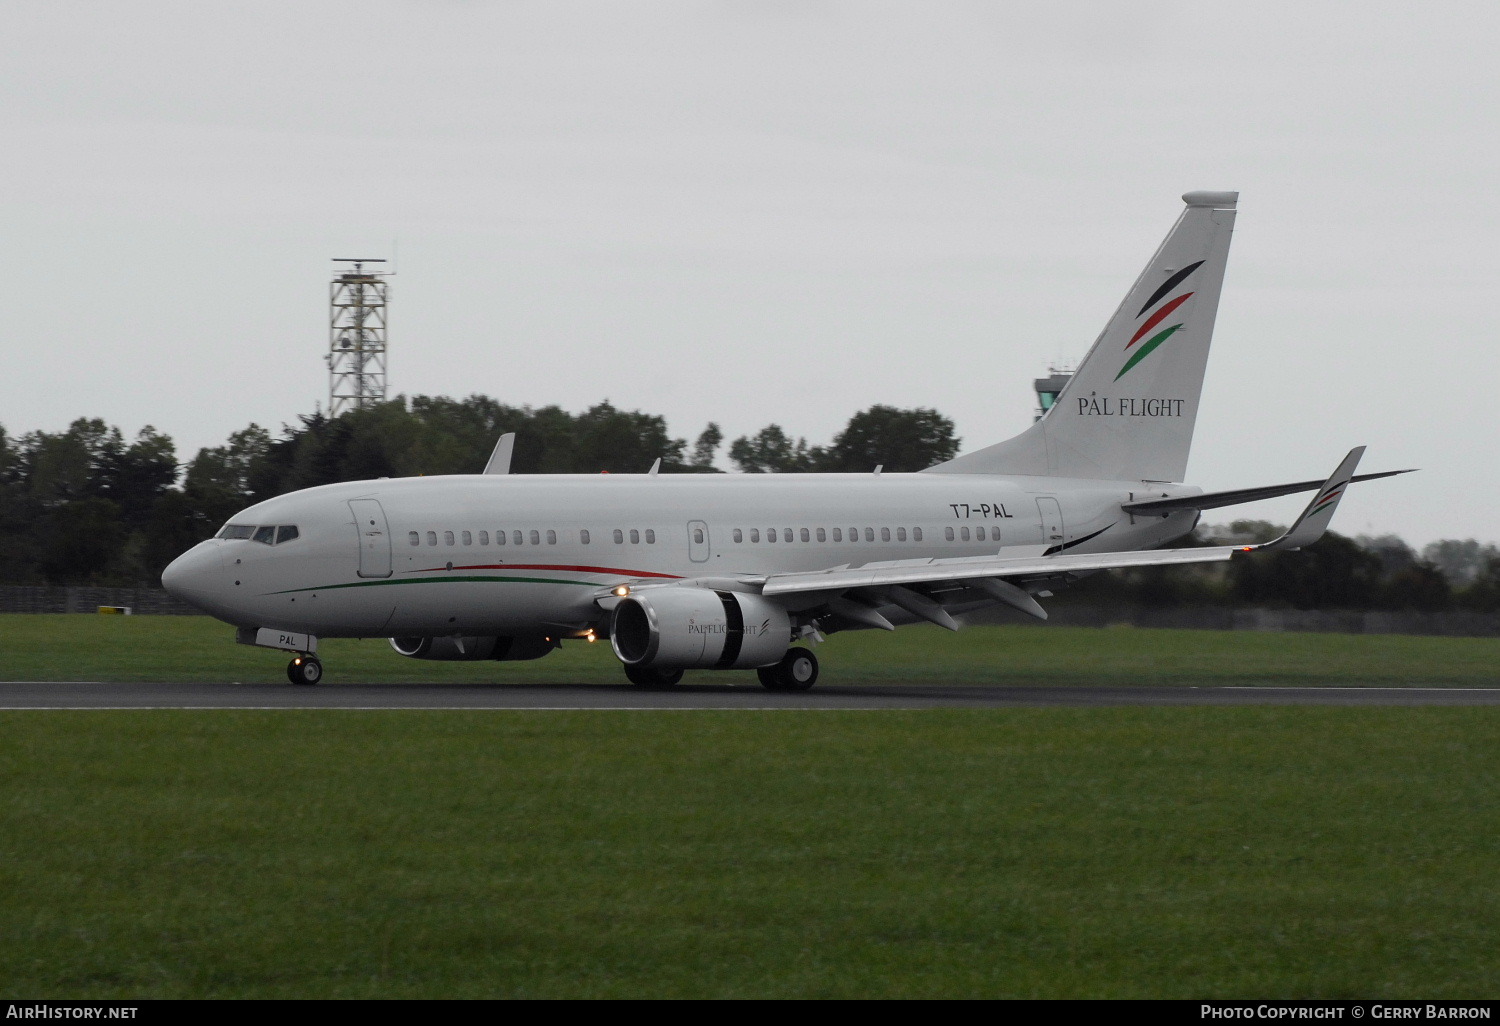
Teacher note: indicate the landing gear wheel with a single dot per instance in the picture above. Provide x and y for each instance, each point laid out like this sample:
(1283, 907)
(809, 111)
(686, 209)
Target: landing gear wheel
(797, 671)
(304, 670)
(648, 677)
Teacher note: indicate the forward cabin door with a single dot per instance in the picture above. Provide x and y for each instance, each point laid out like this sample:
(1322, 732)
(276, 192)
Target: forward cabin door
(374, 538)
(697, 541)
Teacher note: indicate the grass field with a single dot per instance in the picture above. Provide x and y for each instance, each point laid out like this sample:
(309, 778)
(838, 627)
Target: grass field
(1127, 852)
(172, 648)
(1169, 852)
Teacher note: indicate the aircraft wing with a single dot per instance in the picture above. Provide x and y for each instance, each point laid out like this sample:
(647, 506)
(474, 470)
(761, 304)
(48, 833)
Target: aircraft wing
(934, 570)
(1308, 528)
(892, 582)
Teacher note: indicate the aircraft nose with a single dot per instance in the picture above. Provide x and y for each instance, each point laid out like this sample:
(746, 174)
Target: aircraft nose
(192, 577)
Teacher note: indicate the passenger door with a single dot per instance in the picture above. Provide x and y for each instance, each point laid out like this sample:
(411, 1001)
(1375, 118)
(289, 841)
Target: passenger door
(374, 538)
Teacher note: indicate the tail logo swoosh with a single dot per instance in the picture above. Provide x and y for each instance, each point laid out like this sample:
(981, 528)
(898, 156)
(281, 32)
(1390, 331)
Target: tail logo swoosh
(1152, 322)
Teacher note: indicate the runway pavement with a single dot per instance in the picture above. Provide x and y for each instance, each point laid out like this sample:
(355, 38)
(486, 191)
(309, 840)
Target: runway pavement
(95, 695)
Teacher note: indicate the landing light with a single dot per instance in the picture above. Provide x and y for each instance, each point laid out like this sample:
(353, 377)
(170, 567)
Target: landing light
(623, 590)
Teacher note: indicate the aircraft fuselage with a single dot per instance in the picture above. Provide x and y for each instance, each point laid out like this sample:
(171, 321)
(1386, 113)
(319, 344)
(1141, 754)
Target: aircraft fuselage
(425, 556)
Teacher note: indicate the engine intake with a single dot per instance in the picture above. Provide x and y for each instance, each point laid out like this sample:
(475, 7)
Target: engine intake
(687, 628)
(498, 648)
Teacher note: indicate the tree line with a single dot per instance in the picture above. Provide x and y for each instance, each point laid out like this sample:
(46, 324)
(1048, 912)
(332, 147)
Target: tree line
(88, 506)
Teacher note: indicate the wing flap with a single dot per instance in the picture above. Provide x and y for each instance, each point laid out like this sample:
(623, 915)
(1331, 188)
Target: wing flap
(975, 569)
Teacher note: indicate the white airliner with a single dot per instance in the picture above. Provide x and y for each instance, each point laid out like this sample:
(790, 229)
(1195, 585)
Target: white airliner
(732, 571)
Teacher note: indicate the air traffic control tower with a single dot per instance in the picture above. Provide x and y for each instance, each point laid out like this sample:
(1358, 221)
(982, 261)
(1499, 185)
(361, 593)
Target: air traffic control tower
(356, 335)
(1047, 389)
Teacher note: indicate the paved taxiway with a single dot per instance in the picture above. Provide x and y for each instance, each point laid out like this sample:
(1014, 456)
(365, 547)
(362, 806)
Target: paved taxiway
(89, 695)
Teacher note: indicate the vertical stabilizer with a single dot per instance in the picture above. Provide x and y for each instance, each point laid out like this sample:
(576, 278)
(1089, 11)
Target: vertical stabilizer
(1129, 410)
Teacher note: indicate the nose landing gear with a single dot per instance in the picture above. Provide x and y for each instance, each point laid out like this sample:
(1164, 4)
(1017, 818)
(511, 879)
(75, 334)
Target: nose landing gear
(304, 669)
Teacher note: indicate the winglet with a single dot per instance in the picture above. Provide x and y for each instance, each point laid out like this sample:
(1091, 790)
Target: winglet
(1315, 518)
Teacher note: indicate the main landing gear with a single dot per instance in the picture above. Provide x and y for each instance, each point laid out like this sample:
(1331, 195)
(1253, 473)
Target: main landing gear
(797, 671)
(304, 669)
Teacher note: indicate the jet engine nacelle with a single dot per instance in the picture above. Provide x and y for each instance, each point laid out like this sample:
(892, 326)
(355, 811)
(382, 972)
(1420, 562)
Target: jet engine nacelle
(686, 628)
(501, 648)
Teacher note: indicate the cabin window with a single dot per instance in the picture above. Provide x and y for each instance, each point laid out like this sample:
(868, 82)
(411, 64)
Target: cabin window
(771, 535)
(739, 536)
(885, 534)
(515, 537)
(619, 537)
(854, 534)
(698, 536)
(635, 536)
(583, 536)
(414, 537)
(786, 534)
(431, 537)
(916, 534)
(838, 534)
(822, 535)
(264, 535)
(650, 536)
(499, 537)
(484, 537)
(901, 534)
(468, 538)
(754, 535)
(948, 533)
(869, 534)
(994, 534)
(551, 537)
(804, 535)
(963, 532)
(536, 537)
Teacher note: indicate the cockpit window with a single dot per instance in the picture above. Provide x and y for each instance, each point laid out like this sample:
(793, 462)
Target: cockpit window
(269, 535)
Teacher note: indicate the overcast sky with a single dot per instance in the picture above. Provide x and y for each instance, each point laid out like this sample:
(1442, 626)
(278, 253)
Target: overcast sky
(756, 211)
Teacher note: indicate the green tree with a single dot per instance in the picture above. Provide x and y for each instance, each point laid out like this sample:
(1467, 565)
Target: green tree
(901, 441)
(1332, 573)
(134, 478)
(772, 452)
(1460, 561)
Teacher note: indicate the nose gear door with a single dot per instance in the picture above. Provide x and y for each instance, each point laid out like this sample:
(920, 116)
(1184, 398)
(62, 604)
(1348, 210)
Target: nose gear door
(374, 538)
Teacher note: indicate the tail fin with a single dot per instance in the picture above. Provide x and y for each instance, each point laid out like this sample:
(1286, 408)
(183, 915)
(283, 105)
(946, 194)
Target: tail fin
(1129, 410)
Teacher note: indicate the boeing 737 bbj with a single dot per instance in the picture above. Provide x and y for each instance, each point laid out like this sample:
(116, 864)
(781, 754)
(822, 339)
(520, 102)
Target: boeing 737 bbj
(721, 572)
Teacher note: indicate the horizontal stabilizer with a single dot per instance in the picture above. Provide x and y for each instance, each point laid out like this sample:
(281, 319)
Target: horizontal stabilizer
(1215, 500)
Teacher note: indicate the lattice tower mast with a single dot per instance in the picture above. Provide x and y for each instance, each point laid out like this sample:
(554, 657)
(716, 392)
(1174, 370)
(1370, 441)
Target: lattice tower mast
(356, 335)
